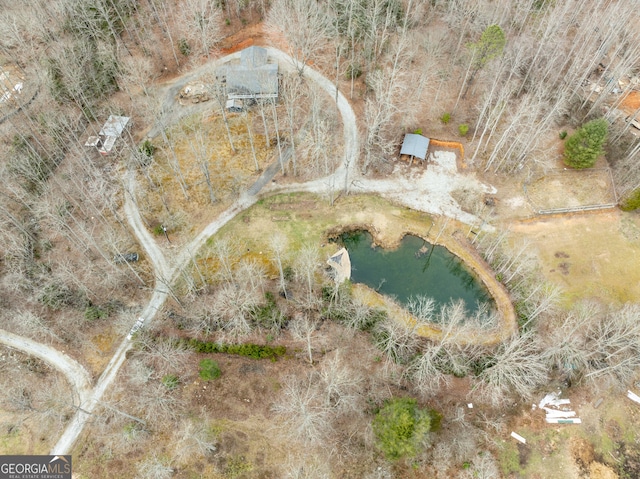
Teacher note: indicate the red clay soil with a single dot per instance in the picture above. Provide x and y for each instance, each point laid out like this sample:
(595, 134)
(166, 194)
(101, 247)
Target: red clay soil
(631, 103)
(251, 35)
(255, 34)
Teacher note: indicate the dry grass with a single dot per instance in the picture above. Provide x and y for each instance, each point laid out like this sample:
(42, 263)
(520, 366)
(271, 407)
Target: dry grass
(305, 219)
(588, 255)
(571, 189)
(164, 201)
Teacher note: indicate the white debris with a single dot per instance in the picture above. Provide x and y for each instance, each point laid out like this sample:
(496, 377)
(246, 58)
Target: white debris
(518, 437)
(553, 399)
(634, 397)
(470, 405)
(556, 413)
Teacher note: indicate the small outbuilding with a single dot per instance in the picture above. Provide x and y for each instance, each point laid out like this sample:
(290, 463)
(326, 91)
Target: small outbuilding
(415, 146)
(110, 132)
(341, 265)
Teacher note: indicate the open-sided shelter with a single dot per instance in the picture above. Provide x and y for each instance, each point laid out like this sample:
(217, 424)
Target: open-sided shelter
(341, 265)
(415, 146)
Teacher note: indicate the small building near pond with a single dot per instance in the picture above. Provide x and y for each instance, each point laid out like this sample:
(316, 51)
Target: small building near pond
(341, 265)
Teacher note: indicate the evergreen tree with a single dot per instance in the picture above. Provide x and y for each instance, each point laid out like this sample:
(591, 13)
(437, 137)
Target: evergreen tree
(583, 148)
(401, 427)
(490, 46)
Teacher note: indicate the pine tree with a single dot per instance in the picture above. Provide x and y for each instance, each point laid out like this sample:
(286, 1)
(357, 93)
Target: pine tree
(583, 148)
(490, 46)
(400, 428)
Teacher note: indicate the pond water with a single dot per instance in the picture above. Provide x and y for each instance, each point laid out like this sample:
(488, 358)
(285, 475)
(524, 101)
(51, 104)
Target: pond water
(415, 268)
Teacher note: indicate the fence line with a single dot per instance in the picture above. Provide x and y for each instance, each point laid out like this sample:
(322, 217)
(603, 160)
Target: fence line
(572, 209)
(20, 108)
(577, 209)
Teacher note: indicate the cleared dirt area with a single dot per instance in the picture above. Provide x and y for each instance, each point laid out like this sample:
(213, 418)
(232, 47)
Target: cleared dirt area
(631, 103)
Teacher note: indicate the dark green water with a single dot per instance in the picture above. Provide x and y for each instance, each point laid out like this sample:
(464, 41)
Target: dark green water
(415, 268)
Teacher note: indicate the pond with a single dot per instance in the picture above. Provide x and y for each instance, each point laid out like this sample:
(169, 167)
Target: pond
(415, 268)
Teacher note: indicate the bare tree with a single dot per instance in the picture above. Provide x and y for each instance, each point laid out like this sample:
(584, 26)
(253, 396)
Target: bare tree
(397, 338)
(304, 25)
(291, 91)
(389, 87)
(613, 343)
(304, 413)
(32, 325)
(225, 254)
(232, 307)
(341, 385)
(304, 468)
(596, 343)
(278, 249)
(483, 466)
(199, 146)
(247, 121)
(305, 267)
(191, 439)
(517, 366)
(157, 403)
(163, 354)
(451, 354)
(200, 22)
(154, 467)
(304, 327)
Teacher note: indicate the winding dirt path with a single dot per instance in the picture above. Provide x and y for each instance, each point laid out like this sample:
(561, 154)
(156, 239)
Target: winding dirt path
(77, 376)
(344, 179)
(167, 273)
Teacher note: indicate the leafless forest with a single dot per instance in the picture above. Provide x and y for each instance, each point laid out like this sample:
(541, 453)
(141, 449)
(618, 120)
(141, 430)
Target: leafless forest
(514, 73)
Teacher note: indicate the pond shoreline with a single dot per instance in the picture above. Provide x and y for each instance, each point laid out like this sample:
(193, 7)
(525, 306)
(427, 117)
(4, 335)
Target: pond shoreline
(453, 240)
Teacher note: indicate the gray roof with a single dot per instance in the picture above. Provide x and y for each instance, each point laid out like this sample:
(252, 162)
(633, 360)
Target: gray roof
(415, 145)
(247, 82)
(253, 77)
(253, 57)
(341, 264)
(114, 126)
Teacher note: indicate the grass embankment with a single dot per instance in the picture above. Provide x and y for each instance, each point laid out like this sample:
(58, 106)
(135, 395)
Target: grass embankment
(307, 219)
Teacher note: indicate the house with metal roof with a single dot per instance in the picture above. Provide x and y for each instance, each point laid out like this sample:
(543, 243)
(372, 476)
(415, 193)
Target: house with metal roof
(254, 77)
(415, 146)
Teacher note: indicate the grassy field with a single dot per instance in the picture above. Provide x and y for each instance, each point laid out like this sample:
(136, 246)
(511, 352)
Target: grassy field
(591, 256)
(305, 219)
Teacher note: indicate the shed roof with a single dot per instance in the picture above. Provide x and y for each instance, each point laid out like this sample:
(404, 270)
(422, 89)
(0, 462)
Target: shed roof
(114, 126)
(415, 145)
(252, 77)
(341, 264)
